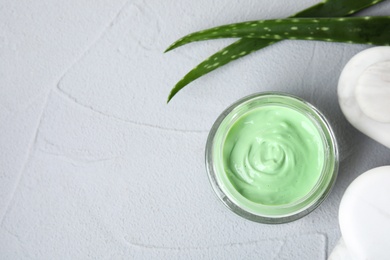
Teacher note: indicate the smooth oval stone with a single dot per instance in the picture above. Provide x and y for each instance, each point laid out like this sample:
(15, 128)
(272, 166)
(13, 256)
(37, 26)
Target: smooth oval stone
(364, 93)
(364, 215)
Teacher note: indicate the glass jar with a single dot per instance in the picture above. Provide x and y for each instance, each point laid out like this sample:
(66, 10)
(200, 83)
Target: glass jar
(232, 195)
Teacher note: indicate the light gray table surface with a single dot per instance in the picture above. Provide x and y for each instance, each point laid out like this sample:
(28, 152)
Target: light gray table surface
(95, 165)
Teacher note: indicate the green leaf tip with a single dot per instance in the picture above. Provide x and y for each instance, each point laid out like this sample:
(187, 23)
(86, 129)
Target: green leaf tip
(169, 48)
(170, 96)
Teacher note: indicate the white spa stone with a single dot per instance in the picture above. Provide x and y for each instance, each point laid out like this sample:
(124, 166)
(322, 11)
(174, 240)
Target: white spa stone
(364, 93)
(364, 217)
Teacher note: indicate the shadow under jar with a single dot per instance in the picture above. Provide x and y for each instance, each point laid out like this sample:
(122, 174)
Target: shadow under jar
(271, 157)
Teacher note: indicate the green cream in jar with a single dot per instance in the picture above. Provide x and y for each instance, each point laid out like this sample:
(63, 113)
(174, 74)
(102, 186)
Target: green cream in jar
(271, 157)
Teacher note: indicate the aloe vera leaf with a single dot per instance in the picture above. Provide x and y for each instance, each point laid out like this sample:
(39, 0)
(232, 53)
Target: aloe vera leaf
(249, 45)
(366, 30)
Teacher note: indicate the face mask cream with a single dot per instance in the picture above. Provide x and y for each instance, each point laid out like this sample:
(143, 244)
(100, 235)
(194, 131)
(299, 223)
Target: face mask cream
(271, 158)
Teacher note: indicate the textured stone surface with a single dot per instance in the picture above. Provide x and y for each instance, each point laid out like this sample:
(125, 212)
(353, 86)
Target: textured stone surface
(94, 164)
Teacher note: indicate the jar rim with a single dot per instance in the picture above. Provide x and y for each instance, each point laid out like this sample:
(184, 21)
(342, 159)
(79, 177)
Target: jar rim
(286, 212)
